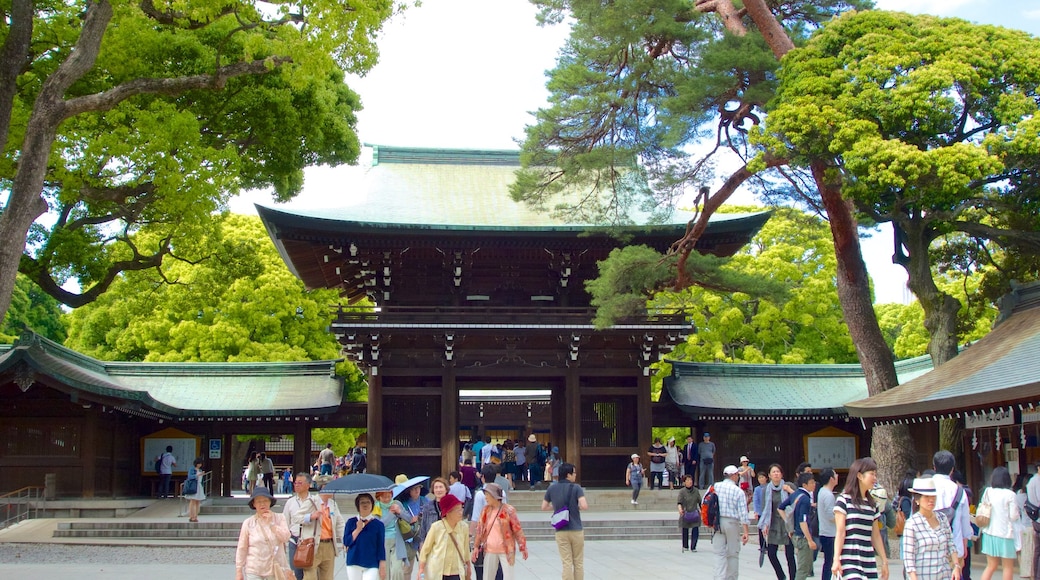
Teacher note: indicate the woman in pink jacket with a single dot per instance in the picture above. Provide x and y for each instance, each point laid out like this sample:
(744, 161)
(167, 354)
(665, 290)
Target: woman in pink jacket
(261, 543)
(498, 533)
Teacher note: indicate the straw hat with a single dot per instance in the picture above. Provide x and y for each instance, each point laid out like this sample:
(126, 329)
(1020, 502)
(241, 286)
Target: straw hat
(924, 486)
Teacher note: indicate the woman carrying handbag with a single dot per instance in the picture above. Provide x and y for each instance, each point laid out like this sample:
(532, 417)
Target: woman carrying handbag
(995, 516)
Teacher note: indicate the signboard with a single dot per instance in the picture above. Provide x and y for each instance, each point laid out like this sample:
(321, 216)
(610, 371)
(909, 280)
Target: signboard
(831, 447)
(997, 418)
(214, 448)
(185, 450)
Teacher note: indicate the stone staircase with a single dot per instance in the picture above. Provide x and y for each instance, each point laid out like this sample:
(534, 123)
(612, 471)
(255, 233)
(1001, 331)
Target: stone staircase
(611, 516)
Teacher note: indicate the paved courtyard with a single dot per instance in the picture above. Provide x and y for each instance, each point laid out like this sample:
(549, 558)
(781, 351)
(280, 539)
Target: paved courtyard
(603, 560)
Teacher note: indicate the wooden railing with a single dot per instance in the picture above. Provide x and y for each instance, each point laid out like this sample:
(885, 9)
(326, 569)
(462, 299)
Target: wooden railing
(20, 504)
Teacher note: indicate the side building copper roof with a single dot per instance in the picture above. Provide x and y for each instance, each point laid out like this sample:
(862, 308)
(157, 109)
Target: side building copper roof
(1000, 371)
(720, 391)
(176, 390)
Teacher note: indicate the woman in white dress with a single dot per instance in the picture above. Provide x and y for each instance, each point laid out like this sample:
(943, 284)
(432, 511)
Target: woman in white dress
(195, 500)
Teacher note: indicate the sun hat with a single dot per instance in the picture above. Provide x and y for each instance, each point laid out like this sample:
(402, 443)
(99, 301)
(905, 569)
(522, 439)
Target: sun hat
(261, 491)
(671, 438)
(447, 503)
(401, 478)
(923, 486)
(730, 470)
(635, 456)
(495, 490)
(879, 492)
(744, 459)
(532, 438)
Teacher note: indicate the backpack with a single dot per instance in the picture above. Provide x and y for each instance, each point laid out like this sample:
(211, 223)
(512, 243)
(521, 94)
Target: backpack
(710, 509)
(950, 511)
(158, 464)
(357, 464)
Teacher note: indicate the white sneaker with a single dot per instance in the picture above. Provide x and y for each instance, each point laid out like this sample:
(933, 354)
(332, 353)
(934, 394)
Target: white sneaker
(634, 502)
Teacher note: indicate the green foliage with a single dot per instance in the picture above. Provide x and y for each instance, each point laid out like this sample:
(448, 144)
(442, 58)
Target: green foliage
(638, 86)
(238, 303)
(630, 275)
(342, 439)
(903, 325)
(146, 154)
(803, 326)
(32, 308)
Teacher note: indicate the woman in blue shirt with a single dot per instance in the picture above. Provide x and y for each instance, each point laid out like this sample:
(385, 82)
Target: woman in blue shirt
(364, 539)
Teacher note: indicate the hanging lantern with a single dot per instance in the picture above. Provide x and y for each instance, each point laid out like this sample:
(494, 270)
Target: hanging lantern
(1022, 436)
(974, 439)
(998, 439)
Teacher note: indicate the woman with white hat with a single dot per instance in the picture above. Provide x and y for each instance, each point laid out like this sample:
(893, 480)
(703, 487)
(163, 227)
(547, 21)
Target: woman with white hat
(928, 549)
(634, 477)
(746, 473)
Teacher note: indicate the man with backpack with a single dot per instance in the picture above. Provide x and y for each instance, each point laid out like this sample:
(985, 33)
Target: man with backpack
(951, 500)
(732, 524)
(804, 542)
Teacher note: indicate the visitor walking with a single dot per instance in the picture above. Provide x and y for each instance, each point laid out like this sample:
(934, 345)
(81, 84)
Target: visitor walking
(363, 538)
(998, 535)
(858, 553)
(773, 523)
(498, 534)
(634, 477)
(260, 552)
(733, 525)
(928, 549)
(689, 513)
(570, 537)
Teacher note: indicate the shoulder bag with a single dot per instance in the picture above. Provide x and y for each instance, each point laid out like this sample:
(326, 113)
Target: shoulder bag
(561, 518)
(305, 548)
(983, 512)
(407, 530)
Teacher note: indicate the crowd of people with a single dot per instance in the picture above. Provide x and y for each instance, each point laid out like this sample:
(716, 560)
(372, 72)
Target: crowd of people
(439, 528)
(851, 526)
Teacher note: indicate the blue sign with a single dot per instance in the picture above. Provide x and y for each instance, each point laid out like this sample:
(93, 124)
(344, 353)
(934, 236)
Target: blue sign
(214, 448)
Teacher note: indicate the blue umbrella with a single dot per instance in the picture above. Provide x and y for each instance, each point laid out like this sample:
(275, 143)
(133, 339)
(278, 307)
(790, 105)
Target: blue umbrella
(359, 483)
(417, 480)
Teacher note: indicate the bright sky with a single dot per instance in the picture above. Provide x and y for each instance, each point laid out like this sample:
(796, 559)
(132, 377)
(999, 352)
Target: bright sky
(467, 74)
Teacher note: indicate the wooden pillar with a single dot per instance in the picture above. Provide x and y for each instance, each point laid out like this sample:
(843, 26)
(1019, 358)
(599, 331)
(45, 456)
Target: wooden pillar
(373, 461)
(557, 414)
(644, 414)
(449, 421)
(88, 454)
(570, 447)
(302, 443)
(230, 477)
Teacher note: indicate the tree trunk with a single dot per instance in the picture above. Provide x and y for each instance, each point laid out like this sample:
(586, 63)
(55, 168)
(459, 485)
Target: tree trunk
(892, 447)
(49, 110)
(940, 315)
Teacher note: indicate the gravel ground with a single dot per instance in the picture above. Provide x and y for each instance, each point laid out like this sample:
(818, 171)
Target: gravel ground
(64, 554)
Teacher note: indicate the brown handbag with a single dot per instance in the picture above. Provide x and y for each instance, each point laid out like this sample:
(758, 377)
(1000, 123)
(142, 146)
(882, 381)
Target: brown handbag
(304, 556)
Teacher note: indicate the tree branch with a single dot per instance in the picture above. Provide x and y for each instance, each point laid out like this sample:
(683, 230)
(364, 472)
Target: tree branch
(171, 86)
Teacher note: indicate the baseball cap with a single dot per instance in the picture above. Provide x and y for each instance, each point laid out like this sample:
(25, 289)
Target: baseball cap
(729, 470)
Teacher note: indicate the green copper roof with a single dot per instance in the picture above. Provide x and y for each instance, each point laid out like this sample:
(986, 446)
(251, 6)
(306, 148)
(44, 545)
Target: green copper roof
(718, 390)
(447, 189)
(185, 389)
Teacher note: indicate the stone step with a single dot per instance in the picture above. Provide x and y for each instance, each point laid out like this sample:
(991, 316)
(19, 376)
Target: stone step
(226, 533)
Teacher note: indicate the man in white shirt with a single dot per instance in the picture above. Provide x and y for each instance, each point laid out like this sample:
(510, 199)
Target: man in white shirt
(951, 495)
(301, 495)
(733, 524)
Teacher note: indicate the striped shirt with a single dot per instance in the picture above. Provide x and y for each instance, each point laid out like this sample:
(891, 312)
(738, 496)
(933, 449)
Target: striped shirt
(857, 557)
(926, 550)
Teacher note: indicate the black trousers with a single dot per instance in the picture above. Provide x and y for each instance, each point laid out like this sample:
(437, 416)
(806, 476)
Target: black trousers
(775, 561)
(690, 537)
